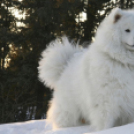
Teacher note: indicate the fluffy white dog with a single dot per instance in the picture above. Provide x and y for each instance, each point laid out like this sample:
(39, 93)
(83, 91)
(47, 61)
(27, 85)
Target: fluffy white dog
(94, 84)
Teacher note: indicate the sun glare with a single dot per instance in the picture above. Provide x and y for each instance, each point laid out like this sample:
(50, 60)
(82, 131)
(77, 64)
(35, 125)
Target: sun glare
(19, 15)
(81, 17)
(114, 1)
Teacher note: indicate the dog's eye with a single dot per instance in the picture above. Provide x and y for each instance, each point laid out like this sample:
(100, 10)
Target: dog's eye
(127, 30)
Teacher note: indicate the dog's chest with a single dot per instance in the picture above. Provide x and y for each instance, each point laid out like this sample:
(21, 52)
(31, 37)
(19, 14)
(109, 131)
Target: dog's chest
(112, 83)
(111, 74)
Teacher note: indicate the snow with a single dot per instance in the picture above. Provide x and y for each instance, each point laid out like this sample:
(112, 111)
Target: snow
(45, 127)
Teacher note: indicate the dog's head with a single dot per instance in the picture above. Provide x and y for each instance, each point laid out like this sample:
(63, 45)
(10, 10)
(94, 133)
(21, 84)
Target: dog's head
(115, 34)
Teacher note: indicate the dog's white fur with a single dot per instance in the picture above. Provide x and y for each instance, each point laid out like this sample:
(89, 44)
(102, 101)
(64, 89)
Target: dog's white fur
(95, 84)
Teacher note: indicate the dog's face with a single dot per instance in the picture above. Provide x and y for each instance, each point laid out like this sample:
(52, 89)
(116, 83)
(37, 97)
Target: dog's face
(115, 35)
(123, 23)
(127, 32)
(118, 28)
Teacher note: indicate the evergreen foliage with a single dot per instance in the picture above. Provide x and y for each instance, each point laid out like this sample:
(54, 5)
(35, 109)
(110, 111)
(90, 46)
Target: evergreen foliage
(23, 39)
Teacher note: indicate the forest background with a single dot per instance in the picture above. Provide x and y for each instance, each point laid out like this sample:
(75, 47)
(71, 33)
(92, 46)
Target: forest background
(26, 28)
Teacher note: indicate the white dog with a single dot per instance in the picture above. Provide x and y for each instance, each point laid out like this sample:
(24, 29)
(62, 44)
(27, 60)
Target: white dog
(96, 84)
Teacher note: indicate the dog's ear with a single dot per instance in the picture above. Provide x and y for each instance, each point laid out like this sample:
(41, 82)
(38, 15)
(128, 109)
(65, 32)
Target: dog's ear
(117, 14)
(117, 17)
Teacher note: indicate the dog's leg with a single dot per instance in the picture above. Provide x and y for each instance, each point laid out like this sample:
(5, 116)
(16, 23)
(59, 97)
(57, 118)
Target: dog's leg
(63, 115)
(102, 119)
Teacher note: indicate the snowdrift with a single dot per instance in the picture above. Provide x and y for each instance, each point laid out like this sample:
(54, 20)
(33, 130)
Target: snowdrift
(44, 127)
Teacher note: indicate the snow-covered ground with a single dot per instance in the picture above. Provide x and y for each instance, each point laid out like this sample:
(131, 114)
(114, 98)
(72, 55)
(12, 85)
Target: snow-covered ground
(44, 127)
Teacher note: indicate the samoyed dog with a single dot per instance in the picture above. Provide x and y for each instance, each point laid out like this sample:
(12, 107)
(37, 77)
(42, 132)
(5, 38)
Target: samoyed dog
(95, 84)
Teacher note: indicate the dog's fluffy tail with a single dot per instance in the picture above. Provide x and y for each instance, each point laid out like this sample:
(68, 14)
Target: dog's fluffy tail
(54, 60)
